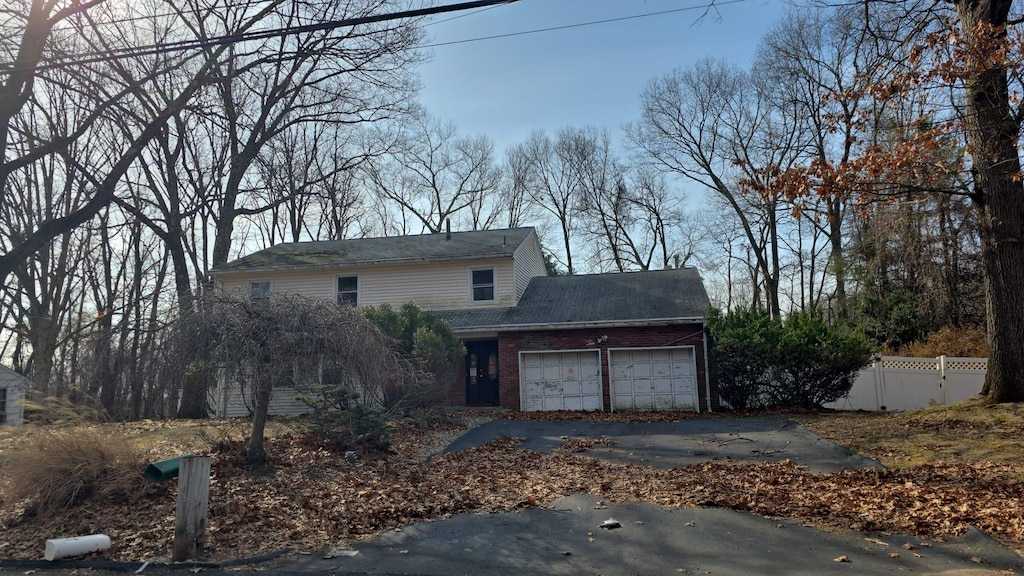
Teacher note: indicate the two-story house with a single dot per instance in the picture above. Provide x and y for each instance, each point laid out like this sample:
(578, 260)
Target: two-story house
(632, 340)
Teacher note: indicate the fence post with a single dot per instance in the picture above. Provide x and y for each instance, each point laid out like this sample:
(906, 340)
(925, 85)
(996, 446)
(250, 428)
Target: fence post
(879, 381)
(942, 379)
(190, 513)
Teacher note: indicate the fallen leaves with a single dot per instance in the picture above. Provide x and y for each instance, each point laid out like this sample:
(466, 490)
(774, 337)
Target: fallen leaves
(311, 499)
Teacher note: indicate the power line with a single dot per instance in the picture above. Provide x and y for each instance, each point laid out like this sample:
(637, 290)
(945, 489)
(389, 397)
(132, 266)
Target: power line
(334, 24)
(460, 16)
(707, 6)
(258, 35)
(149, 17)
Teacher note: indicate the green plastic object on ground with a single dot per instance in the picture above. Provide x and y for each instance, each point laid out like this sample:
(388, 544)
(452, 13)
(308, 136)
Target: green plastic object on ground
(163, 470)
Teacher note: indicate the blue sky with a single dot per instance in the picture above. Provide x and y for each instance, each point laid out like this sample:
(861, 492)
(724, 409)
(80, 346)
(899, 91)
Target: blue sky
(590, 75)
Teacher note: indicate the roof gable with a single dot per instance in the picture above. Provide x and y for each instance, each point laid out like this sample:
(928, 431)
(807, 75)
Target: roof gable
(11, 379)
(472, 245)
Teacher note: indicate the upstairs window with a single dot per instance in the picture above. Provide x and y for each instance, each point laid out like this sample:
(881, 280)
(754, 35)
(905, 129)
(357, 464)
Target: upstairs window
(483, 285)
(348, 290)
(259, 289)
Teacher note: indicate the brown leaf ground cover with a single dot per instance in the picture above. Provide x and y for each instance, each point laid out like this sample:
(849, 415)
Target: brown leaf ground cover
(310, 499)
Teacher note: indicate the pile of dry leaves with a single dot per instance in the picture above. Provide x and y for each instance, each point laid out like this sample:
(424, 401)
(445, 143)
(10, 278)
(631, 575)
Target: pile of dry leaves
(311, 499)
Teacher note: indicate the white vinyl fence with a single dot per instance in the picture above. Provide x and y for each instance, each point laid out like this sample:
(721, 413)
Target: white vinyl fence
(900, 383)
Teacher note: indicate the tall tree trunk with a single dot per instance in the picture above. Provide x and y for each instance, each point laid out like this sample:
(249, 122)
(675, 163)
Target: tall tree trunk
(43, 337)
(837, 257)
(992, 140)
(196, 385)
(254, 450)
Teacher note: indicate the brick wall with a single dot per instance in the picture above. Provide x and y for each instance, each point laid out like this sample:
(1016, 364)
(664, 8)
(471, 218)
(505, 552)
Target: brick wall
(511, 343)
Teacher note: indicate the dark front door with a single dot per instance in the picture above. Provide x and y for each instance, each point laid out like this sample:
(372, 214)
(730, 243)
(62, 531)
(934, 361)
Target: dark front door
(482, 373)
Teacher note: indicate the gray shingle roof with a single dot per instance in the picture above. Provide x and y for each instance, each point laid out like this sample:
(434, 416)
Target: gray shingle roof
(595, 298)
(424, 247)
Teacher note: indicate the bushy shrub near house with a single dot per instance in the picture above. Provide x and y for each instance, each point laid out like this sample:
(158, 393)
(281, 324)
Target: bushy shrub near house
(426, 340)
(339, 421)
(759, 362)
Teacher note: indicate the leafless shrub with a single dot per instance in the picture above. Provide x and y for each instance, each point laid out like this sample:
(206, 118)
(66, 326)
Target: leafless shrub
(290, 343)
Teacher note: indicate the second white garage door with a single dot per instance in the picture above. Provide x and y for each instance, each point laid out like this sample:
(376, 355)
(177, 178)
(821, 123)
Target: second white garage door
(560, 380)
(653, 378)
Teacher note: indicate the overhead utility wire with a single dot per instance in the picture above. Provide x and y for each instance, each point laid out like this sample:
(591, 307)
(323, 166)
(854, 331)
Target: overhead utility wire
(149, 17)
(712, 4)
(258, 35)
(436, 22)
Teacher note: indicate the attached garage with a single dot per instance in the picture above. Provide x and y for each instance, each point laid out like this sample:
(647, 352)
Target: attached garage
(653, 378)
(563, 380)
(625, 341)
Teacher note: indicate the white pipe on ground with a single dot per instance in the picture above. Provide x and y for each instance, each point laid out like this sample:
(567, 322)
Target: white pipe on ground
(58, 548)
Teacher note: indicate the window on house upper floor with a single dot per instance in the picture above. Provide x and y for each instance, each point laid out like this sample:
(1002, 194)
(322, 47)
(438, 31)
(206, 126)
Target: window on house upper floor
(348, 290)
(259, 289)
(483, 285)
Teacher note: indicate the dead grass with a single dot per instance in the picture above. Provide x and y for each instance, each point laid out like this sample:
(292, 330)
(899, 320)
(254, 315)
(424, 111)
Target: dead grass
(55, 470)
(969, 432)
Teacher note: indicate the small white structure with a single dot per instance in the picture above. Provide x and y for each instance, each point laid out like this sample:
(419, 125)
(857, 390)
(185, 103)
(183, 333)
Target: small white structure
(903, 383)
(59, 548)
(12, 396)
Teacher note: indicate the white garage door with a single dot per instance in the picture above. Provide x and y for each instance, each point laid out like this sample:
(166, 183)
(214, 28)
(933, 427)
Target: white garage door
(653, 379)
(560, 380)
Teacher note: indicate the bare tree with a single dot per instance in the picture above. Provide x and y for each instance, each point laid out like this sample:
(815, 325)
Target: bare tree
(434, 175)
(657, 232)
(514, 191)
(555, 186)
(819, 67)
(289, 344)
(712, 124)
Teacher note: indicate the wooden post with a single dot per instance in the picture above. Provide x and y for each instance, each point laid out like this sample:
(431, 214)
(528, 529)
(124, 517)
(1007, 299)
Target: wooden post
(190, 513)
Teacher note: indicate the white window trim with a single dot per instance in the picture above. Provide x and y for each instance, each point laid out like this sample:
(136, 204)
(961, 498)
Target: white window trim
(494, 283)
(270, 285)
(359, 287)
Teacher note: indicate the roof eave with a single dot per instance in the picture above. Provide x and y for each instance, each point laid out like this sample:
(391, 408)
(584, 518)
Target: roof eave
(293, 267)
(572, 325)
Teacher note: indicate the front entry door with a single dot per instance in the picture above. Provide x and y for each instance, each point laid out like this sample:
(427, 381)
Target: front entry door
(482, 373)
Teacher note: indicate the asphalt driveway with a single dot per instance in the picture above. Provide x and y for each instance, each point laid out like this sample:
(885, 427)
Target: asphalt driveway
(565, 538)
(678, 444)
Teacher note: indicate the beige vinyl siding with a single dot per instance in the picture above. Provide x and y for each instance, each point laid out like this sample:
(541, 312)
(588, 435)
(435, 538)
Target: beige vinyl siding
(529, 263)
(437, 285)
(231, 403)
(314, 284)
